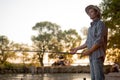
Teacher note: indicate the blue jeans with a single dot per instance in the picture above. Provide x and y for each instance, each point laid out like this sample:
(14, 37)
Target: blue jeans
(96, 69)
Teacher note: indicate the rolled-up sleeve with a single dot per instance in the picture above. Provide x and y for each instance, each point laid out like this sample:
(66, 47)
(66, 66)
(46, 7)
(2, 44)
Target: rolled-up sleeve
(99, 40)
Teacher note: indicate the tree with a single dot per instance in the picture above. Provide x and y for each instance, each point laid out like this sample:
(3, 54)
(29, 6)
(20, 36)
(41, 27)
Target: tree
(113, 55)
(25, 56)
(5, 45)
(69, 39)
(52, 38)
(47, 31)
(66, 39)
(111, 17)
(24, 53)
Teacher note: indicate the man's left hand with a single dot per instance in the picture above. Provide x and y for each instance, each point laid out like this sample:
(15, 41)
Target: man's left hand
(85, 53)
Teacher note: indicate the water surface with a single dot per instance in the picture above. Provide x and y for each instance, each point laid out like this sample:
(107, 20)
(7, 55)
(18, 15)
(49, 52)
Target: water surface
(49, 76)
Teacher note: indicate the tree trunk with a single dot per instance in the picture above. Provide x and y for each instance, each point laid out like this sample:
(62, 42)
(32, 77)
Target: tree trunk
(41, 58)
(41, 61)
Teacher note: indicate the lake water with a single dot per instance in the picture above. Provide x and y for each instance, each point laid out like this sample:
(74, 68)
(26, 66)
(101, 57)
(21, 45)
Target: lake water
(49, 76)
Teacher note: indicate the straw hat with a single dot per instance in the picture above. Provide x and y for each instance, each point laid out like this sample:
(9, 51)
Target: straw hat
(92, 7)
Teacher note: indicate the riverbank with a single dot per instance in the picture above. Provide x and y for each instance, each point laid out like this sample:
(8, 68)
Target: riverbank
(113, 76)
(51, 69)
(56, 76)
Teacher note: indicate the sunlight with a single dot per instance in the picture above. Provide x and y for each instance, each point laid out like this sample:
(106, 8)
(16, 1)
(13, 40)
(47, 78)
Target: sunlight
(75, 57)
(66, 16)
(82, 62)
(46, 60)
(76, 60)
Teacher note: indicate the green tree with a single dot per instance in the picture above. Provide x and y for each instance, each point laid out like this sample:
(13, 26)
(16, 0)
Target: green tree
(113, 55)
(111, 16)
(5, 46)
(47, 31)
(51, 38)
(25, 57)
(66, 40)
(69, 39)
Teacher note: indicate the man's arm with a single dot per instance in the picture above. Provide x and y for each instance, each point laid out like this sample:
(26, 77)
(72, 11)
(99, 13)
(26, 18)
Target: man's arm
(92, 49)
(82, 46)
(99, 40)
(74, 50)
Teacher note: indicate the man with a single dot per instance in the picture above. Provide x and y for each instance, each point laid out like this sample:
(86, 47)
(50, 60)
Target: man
(96, 43)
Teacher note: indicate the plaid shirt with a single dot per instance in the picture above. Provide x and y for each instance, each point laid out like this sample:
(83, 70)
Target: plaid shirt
(97, 34)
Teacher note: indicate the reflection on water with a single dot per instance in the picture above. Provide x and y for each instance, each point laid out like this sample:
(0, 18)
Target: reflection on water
(49, 76)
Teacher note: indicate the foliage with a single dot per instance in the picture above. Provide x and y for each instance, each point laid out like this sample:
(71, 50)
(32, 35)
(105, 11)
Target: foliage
(46, 34)
(113, 55)
(5, 45)
(67, 40)
(111, 16)
(10, 50)
(52, 39)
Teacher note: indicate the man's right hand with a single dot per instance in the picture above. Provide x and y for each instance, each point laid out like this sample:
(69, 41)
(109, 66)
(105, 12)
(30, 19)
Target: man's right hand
(73, 51)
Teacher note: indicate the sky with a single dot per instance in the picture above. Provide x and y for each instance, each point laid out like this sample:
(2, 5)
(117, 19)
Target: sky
(17, 17)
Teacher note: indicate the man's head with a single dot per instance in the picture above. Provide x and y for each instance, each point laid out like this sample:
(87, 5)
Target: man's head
(93, 11)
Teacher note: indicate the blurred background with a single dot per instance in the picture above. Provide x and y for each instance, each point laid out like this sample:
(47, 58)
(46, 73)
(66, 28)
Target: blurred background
(41, 33)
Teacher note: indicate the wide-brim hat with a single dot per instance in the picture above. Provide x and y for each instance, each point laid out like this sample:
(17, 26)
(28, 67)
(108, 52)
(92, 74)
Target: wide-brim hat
(92, 7)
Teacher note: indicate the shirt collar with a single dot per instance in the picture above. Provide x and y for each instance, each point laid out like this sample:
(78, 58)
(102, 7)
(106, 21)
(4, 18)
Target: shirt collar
(93, 22)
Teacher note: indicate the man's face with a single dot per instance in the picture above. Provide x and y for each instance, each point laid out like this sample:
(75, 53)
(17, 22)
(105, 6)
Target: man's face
(92, 13)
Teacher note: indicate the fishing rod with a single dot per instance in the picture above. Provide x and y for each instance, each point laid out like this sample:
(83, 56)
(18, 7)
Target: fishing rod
(41, 51)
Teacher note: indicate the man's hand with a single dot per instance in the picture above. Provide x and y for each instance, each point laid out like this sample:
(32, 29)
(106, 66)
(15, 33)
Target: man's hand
(73, 51)
(88, 52)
